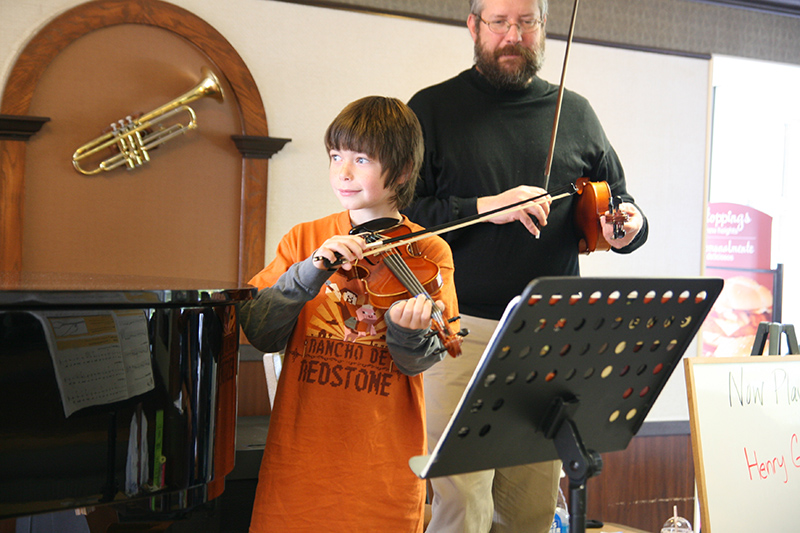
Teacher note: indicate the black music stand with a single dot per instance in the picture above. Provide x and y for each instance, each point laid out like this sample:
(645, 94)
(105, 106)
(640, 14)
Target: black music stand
(572, 370)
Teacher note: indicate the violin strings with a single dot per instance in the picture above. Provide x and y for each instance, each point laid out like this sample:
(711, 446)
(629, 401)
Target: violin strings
(402, 271)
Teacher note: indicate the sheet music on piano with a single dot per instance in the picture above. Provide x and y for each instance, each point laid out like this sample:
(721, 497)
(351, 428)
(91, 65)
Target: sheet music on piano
(99, 356)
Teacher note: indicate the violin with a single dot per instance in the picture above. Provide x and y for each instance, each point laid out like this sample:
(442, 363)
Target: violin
(594, 201)
(403, 272)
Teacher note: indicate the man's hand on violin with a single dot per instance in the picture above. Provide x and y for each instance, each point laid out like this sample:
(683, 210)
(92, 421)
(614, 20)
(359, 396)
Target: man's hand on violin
(414, 313)
(631, 226)
(342, 248)
(526, 213)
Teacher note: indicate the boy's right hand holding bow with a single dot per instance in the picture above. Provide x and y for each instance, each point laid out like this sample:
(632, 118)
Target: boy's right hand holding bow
(340, 250)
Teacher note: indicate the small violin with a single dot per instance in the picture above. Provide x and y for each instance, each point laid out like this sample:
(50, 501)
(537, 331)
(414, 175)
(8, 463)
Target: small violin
(594, 201)
(403, 272)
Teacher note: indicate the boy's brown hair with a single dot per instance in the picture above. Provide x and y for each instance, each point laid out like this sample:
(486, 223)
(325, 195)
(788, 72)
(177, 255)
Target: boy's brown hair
(385, 129)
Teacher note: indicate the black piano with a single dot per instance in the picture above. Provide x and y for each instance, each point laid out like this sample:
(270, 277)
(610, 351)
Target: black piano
(116, 390)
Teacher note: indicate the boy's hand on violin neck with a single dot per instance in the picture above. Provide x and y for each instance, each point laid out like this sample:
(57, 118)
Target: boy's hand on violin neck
(631, 226)
(339, 249)
(414, 313)
(532, 215)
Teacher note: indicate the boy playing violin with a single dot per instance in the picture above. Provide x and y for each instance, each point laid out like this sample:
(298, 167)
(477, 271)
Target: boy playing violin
(349, 407)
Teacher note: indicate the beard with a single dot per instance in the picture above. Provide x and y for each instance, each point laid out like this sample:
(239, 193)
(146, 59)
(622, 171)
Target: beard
(516, 76)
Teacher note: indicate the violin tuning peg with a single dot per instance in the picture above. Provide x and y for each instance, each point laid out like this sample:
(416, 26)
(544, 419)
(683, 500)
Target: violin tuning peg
(464, 332)
(430, 333)
(451, 320)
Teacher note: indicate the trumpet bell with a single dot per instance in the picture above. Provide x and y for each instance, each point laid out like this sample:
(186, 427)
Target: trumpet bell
(132, 138)
(210, 85)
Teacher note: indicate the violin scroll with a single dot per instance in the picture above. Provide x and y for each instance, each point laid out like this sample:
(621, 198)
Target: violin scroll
(451, 342)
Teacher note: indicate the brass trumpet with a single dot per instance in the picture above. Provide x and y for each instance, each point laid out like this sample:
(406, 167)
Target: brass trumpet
(134, 138)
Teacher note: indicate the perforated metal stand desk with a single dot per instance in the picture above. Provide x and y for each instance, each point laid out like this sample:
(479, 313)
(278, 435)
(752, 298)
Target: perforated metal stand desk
(571, 371)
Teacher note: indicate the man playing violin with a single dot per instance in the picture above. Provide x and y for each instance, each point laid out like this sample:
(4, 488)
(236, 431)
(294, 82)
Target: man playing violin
(487, 136)
(349, 408)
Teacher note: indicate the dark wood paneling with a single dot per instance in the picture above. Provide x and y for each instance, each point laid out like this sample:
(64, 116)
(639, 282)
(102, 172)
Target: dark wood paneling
(639, 486)
(12, 169)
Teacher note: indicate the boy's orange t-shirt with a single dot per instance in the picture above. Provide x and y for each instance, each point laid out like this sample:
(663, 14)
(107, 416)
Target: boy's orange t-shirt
(345, 421)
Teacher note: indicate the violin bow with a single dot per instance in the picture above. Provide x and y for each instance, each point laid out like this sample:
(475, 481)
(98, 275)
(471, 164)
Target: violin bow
(393, 242)
(384, 245)
(549, 163)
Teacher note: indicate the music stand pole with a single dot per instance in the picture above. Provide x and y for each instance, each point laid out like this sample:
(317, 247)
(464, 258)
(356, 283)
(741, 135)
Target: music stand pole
(578, 463)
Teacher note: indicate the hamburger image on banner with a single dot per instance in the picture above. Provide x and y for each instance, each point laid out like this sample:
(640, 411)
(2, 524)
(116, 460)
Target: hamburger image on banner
(730, 329)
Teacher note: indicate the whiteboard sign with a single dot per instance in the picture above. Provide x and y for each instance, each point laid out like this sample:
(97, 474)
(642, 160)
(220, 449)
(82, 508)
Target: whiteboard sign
(745, 420)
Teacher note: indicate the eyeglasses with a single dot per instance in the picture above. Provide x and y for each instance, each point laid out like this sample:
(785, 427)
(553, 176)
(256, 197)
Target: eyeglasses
(501, 27)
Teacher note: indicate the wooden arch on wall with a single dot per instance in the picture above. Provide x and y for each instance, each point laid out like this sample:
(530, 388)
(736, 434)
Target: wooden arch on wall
(86, 18)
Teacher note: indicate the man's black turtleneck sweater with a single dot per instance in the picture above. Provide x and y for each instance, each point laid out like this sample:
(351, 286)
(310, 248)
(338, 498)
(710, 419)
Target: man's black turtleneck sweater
(481, 141)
